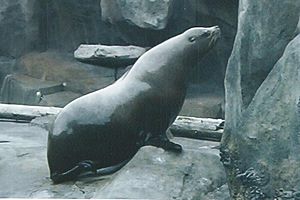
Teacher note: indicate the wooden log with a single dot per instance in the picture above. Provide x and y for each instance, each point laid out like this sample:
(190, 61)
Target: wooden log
(198, 128)
(184, 126)
(25, 112)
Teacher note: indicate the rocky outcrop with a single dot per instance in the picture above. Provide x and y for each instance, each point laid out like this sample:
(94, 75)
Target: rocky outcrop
(19, 27)
(147, 14)
(262, 36)
(260, 145)
(111, 56)
(263, 156)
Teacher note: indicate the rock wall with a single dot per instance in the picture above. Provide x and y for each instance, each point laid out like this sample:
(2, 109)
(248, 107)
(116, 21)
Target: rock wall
(260, 146)
(19, 27)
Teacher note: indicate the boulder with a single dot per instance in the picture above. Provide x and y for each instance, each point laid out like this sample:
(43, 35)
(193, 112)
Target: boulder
(19, 27)
(146, 14)
(262, 158)
(111, 56)
(262, 35)
(260, 145)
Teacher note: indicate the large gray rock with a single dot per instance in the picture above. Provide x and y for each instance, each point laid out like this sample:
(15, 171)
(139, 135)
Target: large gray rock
(152, 173)
(149, 14)
(111, 56)
(263, 157)
(18, 26)
(259, 126)
(264, 30)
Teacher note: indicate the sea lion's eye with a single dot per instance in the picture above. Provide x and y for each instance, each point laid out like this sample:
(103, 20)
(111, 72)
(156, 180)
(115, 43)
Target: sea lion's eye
(206, 34)
(192, 38)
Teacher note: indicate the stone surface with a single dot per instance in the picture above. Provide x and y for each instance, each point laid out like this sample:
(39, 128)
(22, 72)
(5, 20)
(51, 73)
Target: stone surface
(111, 56)
(262, 35)
(60, 67)
(21, 89)
(259, 139)
(194, 174)
(156, 174)
(19, 26)
(149, 14)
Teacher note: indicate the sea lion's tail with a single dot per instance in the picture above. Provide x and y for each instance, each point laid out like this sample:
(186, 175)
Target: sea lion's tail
(112, 169)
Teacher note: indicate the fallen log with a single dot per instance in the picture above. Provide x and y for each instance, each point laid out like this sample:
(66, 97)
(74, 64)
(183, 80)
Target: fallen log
(184, 126)
(25, 112)
(198, 128)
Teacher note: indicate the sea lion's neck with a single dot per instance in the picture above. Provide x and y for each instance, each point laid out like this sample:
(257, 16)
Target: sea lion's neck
(168, 61)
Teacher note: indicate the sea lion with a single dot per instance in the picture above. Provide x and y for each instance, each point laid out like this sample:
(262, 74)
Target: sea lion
(107, 127)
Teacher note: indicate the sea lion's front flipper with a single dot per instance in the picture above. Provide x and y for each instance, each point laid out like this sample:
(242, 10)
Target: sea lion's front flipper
(84, 166)
(162, 141)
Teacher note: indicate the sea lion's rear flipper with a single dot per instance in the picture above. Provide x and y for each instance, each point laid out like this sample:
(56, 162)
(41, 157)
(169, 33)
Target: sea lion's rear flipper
(84, 166)
(163, 142)
(112, 169)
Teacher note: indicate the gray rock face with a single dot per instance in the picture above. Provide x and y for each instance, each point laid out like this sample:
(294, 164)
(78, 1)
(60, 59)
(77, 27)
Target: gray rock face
(18, 26)
(263, 156)
(262, 36)
(149, 14)
(260, 146)
(152, 173)
(111, 56)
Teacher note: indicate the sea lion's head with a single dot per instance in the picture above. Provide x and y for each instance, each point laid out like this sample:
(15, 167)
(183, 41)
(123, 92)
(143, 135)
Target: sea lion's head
(200, 39)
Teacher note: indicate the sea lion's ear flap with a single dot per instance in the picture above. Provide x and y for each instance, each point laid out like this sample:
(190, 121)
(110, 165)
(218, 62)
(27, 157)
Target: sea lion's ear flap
(192, 38)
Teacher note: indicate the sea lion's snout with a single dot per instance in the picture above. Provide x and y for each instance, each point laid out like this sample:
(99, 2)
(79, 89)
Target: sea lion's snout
(215, 35)
(216, 31)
